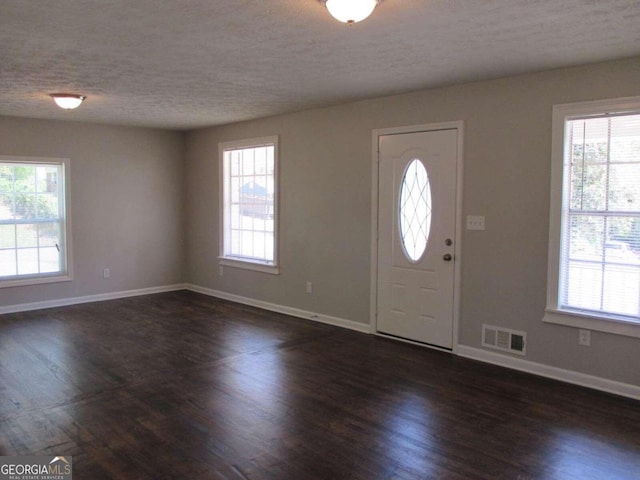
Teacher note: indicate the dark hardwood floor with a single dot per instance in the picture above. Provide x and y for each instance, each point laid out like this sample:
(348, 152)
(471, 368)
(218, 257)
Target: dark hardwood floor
(183, 386)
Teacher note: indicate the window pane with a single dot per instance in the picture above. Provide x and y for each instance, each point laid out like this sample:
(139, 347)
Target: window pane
(27, 235)
(583, 288)
(235, 190)
(47, 206)
(261, 161)
(247, 162)
(6, 207)
(247, 221)
(594, 189)
(624, 187)
(236, 242)
(624, 231)
(576, 190)
(8, 263)
(49, 260)
(48, 234)
(270, 185)
(588, 187)
(586, 237)
(27, 261)
(7, 236)
(259, 245)
(621, 287)
(24, 179)
(625, 142)
(235, 216)
(247, 244)
(6, 178)
(25, 205)
(270, 247)
(233, 162)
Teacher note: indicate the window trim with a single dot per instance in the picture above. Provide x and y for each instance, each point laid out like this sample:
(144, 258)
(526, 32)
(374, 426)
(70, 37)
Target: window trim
(242, 262)
(67, 274)
(586, 320)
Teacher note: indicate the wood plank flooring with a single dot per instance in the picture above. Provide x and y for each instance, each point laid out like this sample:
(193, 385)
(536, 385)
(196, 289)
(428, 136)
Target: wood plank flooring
(183, 386)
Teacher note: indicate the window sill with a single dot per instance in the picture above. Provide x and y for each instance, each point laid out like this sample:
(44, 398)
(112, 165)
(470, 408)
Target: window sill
(627, 328)
(247, 265)
(24, 282)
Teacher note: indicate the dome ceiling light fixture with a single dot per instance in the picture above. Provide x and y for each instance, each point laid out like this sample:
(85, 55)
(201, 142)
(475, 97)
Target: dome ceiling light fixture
(351, 11)
(67, 101)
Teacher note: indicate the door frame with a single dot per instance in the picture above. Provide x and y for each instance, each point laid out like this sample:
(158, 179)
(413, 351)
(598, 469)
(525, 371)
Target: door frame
(375, 157)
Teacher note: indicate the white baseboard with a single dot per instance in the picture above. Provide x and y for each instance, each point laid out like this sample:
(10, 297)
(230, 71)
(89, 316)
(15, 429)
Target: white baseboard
(569, 376)
(62, 302)
(294, 312)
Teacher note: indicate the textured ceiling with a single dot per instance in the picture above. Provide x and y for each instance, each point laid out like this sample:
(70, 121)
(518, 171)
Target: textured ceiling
(191, 63)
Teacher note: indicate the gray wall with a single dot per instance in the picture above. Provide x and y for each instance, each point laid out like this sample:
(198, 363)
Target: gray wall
(127, 204)
(325, 185)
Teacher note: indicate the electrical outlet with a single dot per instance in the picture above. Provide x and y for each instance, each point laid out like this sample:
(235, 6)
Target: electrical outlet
(106, 273)
(584, 338)
(309, 287)
(475, 222)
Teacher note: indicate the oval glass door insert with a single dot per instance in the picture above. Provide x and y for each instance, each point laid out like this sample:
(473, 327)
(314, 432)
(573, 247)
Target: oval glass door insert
(415, 210)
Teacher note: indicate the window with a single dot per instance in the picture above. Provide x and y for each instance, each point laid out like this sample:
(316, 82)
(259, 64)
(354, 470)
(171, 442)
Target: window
(414, 210)
(33, 221)
(594, 261)
(249, 204)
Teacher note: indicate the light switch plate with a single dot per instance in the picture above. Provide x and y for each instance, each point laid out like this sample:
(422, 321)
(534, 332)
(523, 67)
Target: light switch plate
(475, 222)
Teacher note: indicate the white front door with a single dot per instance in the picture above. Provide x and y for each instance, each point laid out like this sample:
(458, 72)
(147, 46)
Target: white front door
(417, 235)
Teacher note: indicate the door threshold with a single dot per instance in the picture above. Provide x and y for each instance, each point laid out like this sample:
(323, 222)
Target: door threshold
(413, 342)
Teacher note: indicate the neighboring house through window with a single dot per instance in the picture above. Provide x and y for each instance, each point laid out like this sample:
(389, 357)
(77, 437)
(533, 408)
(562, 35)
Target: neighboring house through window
(249, 204)
(594, 247)
(33, 221)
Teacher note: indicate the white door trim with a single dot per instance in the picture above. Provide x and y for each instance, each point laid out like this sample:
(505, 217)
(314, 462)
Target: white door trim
(373, 308)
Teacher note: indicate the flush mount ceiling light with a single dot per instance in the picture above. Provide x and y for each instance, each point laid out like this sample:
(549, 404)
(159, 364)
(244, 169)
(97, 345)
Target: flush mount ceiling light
(68, 101)
(351, 11)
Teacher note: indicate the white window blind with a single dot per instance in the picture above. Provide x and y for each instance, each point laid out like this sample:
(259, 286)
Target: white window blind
(32, 222)
(249, 202)
(600, 241)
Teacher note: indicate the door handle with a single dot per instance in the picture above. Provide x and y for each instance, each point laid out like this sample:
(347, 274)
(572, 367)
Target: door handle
(448, 257)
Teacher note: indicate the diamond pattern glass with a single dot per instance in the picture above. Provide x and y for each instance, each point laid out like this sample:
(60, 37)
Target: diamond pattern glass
(415, 210)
